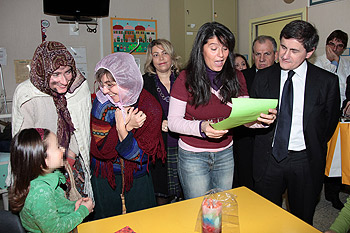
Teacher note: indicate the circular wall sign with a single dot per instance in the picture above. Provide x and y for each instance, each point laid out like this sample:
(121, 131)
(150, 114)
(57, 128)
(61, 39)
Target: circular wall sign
(45, 23)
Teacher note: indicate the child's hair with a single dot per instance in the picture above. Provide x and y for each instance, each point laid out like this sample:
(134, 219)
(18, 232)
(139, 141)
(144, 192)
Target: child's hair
(28, 153)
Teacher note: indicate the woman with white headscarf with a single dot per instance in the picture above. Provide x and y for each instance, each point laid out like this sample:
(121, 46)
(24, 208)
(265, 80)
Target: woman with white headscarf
(126, 134)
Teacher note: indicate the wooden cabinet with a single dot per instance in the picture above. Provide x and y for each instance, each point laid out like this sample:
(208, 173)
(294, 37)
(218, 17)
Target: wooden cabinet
(187, 16)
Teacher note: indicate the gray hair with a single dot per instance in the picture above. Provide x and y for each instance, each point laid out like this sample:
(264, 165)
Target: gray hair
(262, 39)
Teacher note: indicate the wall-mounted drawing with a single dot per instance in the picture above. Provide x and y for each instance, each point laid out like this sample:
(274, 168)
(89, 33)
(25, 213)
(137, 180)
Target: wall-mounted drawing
(125, 34)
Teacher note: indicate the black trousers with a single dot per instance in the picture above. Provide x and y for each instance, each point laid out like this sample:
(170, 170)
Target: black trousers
(243, 142)
(294, 175)
(332, 187)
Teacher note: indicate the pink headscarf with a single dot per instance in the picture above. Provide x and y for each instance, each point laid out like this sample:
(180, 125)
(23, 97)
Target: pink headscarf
(126, 74)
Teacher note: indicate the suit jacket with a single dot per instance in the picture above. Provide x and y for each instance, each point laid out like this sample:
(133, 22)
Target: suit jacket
(347, 92)
(320, 117)
(249, 75)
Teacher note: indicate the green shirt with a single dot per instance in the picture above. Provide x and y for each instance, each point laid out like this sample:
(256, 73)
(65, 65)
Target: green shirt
(342, 222)
(47, 210)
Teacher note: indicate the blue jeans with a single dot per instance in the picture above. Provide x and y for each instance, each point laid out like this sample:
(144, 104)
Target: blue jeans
(201, 171)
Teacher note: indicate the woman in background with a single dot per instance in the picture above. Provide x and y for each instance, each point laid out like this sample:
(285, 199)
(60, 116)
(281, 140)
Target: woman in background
(161, 69)
(241, 62)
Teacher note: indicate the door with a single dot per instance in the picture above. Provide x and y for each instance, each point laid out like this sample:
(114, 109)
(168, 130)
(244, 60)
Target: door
(272, 25)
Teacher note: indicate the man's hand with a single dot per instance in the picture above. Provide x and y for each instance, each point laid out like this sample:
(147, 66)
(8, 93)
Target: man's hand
(331, 55)
(268, 119)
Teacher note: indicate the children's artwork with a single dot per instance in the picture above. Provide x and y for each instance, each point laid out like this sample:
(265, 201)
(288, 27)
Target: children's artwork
(127, 33)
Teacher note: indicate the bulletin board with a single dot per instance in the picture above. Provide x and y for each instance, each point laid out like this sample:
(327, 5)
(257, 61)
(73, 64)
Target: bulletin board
(22, 69)
(126, 33)
(315, 2)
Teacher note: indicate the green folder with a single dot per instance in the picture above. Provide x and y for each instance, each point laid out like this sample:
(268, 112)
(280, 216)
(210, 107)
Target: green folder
(245, 110)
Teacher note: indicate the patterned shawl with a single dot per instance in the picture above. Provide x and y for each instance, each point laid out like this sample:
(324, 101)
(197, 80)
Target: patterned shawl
(48, 57)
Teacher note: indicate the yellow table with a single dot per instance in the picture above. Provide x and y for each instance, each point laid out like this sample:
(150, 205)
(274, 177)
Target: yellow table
(256, 214)
(338, 154)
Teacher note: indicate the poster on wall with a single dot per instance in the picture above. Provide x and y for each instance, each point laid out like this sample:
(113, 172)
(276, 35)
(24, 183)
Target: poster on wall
(22, 69)
(314, 2)
(127, 33)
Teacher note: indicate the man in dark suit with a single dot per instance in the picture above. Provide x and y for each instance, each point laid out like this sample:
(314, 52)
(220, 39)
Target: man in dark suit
(291, 154)
(264, 53)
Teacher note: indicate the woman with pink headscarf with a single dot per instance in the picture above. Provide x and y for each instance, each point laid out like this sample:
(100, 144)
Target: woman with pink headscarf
(126, 134)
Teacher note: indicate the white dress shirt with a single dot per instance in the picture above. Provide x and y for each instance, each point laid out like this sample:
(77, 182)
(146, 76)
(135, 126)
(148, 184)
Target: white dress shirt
(296, 139)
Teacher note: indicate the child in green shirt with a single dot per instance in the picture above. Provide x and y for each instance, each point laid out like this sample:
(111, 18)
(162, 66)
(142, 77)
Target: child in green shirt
(36, 193)
(342, 223)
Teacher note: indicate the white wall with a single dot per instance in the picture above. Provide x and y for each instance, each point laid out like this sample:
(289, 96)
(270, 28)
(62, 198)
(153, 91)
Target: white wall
(20, 26)
(326, 17)
(20, 31)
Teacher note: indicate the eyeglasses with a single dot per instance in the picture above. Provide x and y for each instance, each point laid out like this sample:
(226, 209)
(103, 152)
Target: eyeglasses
(107, 85)
(340, 46)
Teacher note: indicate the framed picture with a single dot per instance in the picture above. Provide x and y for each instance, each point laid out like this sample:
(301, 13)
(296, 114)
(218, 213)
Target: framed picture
(127, 34)
(314, 2)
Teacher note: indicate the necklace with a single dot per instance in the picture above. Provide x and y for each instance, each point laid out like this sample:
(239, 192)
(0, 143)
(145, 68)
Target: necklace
(165, 98)
(159, 90)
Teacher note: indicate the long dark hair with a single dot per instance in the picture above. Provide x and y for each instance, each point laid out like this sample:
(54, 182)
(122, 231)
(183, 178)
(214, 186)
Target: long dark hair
(28, 153)
(197, 81)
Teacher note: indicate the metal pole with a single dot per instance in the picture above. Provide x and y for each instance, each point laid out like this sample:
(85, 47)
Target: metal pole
(3, 88)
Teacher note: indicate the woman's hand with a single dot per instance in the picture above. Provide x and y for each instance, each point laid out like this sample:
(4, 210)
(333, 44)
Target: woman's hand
(165, 126)
(134, 119)
(268, 119)
(210, 131)
(120, 123)
(137, 119)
